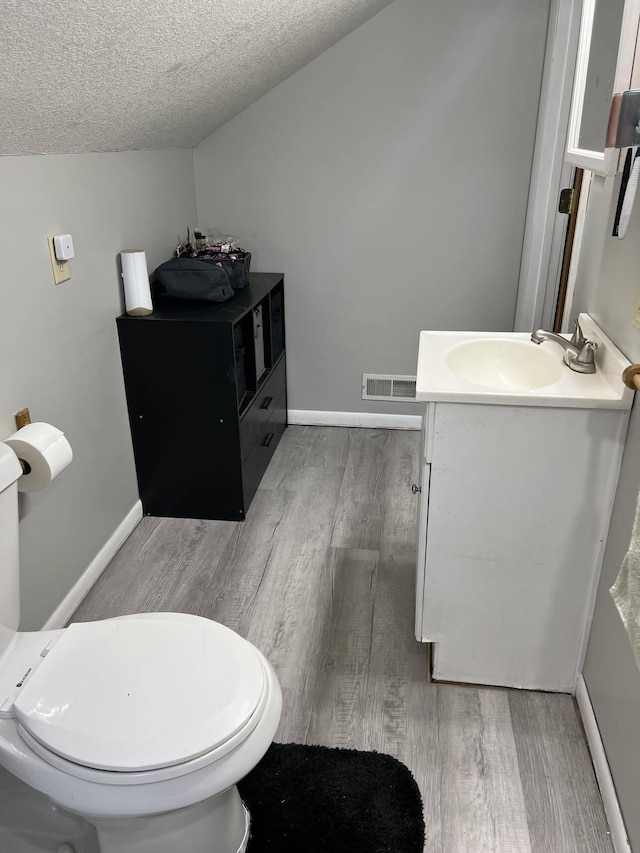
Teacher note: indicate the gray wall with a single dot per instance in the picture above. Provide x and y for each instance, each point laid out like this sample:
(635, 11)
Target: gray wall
(608, 291)
(58, 345)
(388, 180)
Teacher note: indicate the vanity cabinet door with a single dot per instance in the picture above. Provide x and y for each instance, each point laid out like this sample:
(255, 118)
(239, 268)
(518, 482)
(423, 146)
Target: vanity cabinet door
(518, 505)
(423, 485)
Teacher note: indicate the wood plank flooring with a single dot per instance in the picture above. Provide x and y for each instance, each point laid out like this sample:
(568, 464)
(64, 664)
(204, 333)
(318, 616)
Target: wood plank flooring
(321, 578)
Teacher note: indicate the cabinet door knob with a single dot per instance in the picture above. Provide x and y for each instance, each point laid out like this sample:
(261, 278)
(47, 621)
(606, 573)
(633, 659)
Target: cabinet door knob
(266, 402)
(415, 489)
(268, 439)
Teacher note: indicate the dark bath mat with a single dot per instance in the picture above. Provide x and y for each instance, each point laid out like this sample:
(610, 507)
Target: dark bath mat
(312, 799)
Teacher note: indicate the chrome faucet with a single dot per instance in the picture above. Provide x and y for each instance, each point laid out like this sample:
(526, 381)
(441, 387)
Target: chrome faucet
(578, 352)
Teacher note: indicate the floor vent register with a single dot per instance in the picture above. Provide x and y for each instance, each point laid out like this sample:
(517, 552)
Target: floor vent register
(379, 386)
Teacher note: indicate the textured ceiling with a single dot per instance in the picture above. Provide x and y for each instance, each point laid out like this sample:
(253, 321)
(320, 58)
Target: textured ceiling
(112, 75)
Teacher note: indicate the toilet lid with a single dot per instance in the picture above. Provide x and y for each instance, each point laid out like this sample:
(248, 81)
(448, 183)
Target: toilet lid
(140, 694)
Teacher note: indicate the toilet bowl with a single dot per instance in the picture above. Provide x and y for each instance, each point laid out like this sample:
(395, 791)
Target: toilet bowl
(161, 773)
(142, 724)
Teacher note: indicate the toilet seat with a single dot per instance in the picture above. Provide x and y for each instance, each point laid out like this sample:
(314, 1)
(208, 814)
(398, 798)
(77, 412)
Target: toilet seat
(86, 707)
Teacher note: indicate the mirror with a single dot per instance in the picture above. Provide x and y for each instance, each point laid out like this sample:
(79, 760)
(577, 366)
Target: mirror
(601, 73)
(602, 68)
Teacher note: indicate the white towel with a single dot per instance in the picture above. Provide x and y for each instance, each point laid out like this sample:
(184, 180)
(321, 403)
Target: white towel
(626, 590)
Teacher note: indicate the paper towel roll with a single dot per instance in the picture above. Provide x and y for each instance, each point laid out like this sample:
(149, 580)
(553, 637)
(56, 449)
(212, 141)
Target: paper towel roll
(45, 451)
(137, 293)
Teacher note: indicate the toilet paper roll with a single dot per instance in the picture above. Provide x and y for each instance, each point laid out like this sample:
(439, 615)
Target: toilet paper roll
(137, 293)
(45, 452)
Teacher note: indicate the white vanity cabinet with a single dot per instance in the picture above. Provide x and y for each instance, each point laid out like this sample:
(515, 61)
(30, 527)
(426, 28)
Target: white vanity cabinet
(519, 463)
(513, 516)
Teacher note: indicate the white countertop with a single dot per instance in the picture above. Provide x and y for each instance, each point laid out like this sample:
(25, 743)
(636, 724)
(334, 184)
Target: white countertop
(604, 389)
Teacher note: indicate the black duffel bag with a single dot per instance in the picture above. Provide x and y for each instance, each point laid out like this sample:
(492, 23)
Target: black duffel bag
(190, 278)
(236, 264)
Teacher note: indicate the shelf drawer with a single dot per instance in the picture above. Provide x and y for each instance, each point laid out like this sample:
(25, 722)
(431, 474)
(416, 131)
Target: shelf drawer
(262, 408)
(268, 438)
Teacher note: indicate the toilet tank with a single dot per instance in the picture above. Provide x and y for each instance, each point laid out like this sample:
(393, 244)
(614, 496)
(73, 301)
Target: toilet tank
(10, 470)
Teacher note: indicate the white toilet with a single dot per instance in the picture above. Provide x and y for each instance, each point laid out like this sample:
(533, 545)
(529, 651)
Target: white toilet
(142, 724)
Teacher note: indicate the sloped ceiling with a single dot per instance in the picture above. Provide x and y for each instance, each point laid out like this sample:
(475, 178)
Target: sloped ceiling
(113, 75)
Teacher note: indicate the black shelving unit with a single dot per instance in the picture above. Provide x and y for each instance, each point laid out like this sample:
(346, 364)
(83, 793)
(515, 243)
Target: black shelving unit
(204, 424)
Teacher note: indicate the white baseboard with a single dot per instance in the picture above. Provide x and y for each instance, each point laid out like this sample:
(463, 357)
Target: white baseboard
(619, 837)
(81, 587)
(369, 420)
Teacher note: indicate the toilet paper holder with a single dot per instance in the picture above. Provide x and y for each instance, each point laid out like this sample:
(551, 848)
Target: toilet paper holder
(43, 453)
(22, 418)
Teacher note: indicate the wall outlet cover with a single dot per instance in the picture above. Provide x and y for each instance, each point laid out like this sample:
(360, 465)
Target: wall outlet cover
(60, 268)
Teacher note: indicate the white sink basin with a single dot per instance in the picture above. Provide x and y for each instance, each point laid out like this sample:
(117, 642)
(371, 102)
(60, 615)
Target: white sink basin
(507, 369)
(506, 365)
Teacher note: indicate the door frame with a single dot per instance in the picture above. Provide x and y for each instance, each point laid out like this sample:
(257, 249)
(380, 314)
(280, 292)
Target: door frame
(567, 255)
(581, 214)
(544, 227)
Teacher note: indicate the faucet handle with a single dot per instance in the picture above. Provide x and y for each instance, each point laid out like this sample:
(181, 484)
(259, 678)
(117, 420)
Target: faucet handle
(578, 339)
(585, 361)
(587, 353)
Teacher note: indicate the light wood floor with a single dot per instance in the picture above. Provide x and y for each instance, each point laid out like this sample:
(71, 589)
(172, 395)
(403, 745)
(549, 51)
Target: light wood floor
(321, 578)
